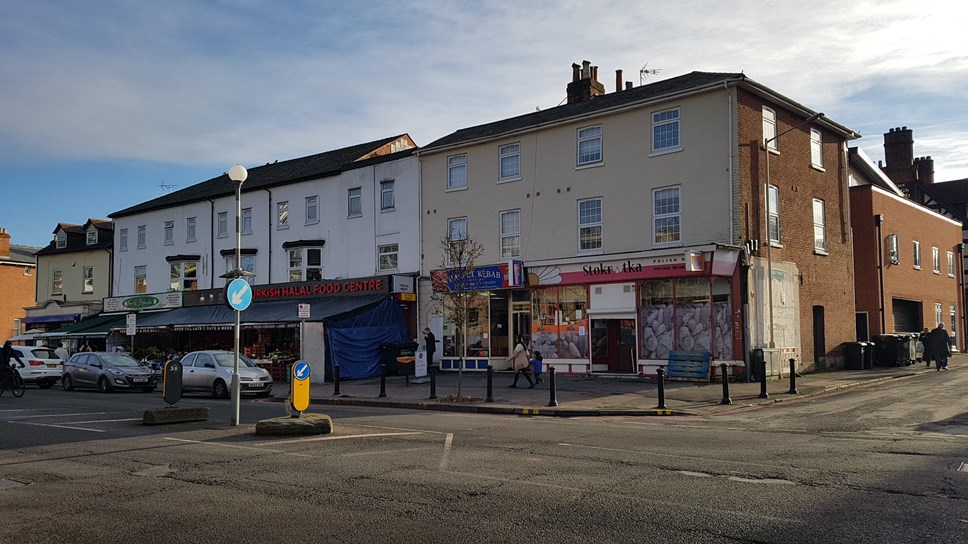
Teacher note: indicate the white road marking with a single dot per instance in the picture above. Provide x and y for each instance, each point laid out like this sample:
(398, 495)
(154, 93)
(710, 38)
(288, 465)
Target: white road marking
(63, 415)
(233, 446)
(57, 426)
(383, 452)
(102, 421)
(963, 467)
(448, 444)
(342, 437)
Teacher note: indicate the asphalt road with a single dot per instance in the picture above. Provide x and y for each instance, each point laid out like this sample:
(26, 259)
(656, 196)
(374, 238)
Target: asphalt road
(879, 464)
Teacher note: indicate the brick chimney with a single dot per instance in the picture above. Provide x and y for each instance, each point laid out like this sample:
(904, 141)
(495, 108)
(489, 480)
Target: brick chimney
(4, 243)
(899, 155)
(925, 169)
(584, 83)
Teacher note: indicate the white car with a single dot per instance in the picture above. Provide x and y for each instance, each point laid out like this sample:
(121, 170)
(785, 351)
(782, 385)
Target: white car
(41, 366)
(211, 371)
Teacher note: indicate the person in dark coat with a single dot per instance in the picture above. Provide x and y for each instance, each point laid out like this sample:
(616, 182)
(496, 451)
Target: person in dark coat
(926, 352)
(941, 345)
(431, 342)
(7, 354)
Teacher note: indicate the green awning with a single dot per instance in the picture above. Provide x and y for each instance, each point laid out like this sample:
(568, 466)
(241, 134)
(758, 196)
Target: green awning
(99, 325)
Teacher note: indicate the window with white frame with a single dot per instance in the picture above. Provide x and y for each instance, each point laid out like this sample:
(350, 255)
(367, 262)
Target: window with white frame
(457, 171)
(589, 145)
(248, 265)
(936, 260)
(282, 215)
(893, 249)
(510, 234)
(387, 200)
(509, 158)
(56, 281)
(305, 264)
(769, 129)
(457, 228)
(917, 254)
(140, 279)
(61, 240)
(665, 130)
(354, 202)
(92, 237)
(819, 225)
(938, 315)
(190, 232)
(223, 224)
(184, 276)
(123, 239)
(773, 224)
(246, 227)
(87, 286)
(312, 209)
(816, 148)
(951, 264)
(142, 234)
(169, 232)
(666, 210)
(387, 257)
(590, 224)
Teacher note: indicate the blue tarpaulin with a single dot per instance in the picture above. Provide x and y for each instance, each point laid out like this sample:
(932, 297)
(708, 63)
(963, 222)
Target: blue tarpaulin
(354, 342)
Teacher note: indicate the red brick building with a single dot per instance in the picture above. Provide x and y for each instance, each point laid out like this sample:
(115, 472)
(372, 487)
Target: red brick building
(17, 272)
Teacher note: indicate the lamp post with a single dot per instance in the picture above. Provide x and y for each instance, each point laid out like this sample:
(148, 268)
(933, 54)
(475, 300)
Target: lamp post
(237, 174)
(769, 242)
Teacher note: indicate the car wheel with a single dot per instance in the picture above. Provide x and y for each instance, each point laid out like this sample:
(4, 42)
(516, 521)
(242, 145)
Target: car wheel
(103, 385)
(220, 390)
(67, 382)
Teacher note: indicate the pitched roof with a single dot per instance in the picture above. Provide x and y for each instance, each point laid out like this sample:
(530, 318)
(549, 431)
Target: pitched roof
(273, 174)
(691, 83)
(21, 255)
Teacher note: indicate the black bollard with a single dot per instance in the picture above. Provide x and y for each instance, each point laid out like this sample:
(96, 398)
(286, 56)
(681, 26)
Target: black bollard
(433, 382)
(763, 393)
(383, 380)
(490, 384)
(793, 377)
(553, 400)
(336, 380)
(660, 375)
(724, 369)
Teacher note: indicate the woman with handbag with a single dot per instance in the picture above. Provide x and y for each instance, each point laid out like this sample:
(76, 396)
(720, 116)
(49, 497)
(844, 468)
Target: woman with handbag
(520, 362)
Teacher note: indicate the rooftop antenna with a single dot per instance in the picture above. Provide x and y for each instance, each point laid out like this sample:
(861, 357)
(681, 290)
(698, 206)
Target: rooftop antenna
(645, 72)
(166, 187)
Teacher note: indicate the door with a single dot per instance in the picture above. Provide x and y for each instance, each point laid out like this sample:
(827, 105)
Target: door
(819, 340)
(521, 321)
(613, 344)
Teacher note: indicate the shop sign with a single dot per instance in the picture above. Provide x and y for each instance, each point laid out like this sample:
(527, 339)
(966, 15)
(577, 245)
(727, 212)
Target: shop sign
(361, 286)
(481, 278)
(613, 271)
(403, 284)
(144, 302)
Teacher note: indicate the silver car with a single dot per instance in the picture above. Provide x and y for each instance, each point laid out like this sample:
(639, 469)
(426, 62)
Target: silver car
(211, 371)
(40, 366)
(106, 371)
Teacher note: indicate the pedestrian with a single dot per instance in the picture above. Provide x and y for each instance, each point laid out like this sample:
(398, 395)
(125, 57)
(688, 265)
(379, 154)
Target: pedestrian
(536, 367)
(926, 350)
(942, 346)
(6, 354)
(61, 352)
(431, 342)
(520, 363)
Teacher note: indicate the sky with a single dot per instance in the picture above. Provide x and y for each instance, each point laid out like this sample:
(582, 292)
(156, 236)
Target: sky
(108, 104)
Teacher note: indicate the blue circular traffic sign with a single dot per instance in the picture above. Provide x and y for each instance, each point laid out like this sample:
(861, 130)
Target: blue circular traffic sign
(300, 370)
(238, 294)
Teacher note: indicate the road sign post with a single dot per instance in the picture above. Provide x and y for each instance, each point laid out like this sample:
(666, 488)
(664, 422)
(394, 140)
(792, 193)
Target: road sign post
(238, 296)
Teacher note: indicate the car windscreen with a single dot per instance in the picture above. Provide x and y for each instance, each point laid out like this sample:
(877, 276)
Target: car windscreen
(118, 359)
(227, 359)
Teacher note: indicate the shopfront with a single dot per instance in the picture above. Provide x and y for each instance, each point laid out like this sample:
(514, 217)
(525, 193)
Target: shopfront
(626, 315)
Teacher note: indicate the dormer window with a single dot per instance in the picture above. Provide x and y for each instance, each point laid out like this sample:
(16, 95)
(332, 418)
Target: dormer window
(91, 237)
(61, 240)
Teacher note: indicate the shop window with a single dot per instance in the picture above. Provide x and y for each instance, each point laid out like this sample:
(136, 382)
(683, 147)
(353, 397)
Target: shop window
(692, 315)
(722, 320)
(656, 308)
(559, 322)
(184, 276)
(685, 314)
(476, 327)
(500, 332)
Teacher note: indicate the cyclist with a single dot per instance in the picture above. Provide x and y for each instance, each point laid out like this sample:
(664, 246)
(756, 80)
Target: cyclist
(6, 354)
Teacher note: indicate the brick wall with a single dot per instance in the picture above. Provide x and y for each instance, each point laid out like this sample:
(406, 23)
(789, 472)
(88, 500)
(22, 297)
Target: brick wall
(16, 292)
(826, 279)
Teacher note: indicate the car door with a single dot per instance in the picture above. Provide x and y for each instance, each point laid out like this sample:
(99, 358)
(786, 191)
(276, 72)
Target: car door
(204, 371)
(81, 370)
(188, 373)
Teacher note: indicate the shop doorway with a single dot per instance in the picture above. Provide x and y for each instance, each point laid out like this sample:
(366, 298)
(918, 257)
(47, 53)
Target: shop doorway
(521, 319)
(613, 345)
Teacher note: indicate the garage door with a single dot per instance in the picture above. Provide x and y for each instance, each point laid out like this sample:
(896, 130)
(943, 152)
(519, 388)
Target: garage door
(907, 315)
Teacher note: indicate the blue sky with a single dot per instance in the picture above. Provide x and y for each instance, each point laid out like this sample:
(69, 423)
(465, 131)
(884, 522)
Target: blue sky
(102, 104)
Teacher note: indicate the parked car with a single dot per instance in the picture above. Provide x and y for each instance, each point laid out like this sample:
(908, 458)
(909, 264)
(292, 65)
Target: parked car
(211, 371)
(41, 366)
(106, 370)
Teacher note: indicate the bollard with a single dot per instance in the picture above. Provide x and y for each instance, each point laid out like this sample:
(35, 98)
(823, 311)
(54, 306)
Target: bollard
(660, 373)
(433, 382)
(336, 380)
(383, 380)
(724, 369)
(553, 400)
(793, 377)
(763, 394)
(490, 384)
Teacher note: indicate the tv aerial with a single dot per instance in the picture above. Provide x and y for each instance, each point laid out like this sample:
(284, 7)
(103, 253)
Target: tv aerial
(166, 187)
(645, 72)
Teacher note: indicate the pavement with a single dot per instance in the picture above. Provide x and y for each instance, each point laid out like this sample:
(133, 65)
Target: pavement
(596, 395)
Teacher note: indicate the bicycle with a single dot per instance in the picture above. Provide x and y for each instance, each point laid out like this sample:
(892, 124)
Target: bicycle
(13, 382)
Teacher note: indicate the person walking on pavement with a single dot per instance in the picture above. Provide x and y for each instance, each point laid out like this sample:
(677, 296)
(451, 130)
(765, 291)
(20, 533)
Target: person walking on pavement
(536, 365)
(927, 352)
(520, 363)
(942, 346)
(431, 343)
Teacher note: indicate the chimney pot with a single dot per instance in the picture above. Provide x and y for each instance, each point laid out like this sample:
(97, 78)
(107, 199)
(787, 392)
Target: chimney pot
(575, 72)
(628, 85)
(618, 80)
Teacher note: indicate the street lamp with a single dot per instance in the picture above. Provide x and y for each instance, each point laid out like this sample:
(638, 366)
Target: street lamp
(237, 174)
(769, 243)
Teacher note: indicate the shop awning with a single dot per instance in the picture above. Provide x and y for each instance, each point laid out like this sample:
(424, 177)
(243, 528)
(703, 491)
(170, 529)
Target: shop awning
(99, 325)
(270, 312)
